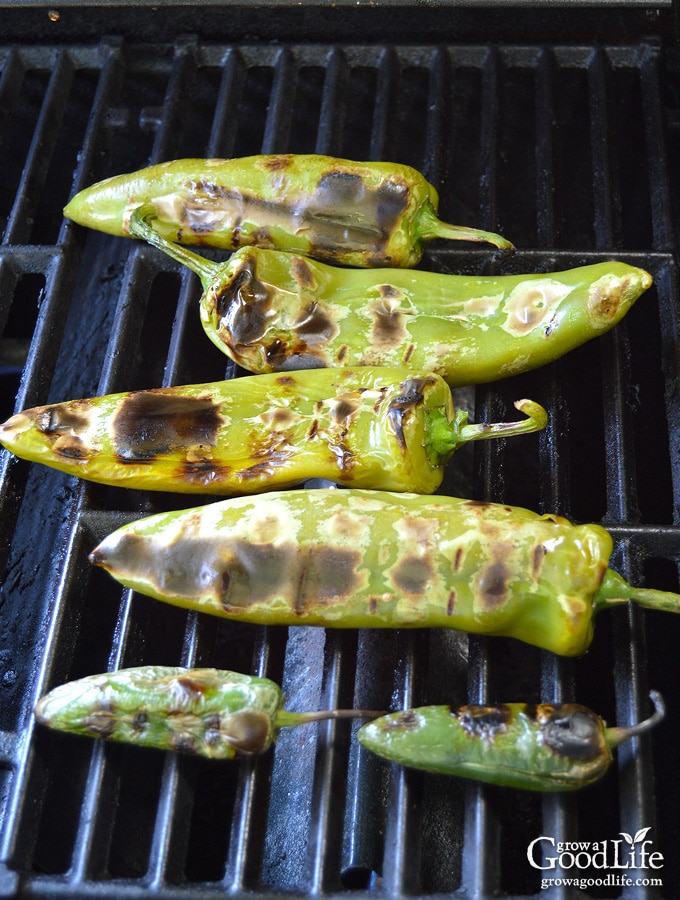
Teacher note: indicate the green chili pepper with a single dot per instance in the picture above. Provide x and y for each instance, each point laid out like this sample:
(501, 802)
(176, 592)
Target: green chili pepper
(354, 213)
(205, 712)
(355, 559)
(271, 311)
(364, 427)
(548, 747)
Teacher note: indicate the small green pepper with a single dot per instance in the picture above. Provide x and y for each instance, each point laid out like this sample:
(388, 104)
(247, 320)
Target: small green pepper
(547, 747)
(379, 428)
(373, 559)
(272, 311)
(353, 213)
(205, 712)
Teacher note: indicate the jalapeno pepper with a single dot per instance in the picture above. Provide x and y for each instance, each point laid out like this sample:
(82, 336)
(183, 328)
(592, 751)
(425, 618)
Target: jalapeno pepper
(543, 747)
(205, 712)
(271, 311)
(365, 427)
(354, 213)
(355, 559)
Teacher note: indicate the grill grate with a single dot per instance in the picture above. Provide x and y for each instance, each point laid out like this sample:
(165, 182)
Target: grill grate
(565, 149)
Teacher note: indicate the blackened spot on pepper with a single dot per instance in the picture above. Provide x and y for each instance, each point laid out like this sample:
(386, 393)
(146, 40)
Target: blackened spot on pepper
(405, 721)
(70, 446)
(458, 559)
(314, 324)
(203, 472)
(537, 558)
(243, 305)
(62, 418)
(412, 396)
(248, 731)
(139, 720)
(313, 430)
(343, 408)
(484, 721)
(409, 353)
(393, 198)
(573, 731)
(100, 723)
(278, 162)
(388, 322)
(477, 504)
(342, 354)
(302, 272)
(151, 423)
(492, 585)
(412, 575)
(184, 743)
(451, 603)
(286, 381)
(213, 721)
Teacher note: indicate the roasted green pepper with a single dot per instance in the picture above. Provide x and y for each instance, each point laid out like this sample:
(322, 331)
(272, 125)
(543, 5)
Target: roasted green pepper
(546, 747)
(354, 559)
(354, 213)
(379, 428)
(273, 311)
(205, 712)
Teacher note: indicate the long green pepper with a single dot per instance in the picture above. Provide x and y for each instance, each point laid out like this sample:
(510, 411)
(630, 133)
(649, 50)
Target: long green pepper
(338, 210)
(375, 559)
(544, 747)
(206, 712)
(272, 311)
(390, 429)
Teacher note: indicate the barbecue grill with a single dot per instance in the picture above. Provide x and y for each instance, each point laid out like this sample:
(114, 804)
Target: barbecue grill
(556, 124)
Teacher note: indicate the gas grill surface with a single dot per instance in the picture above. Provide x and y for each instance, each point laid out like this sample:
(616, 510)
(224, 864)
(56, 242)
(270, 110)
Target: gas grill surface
(564, 142)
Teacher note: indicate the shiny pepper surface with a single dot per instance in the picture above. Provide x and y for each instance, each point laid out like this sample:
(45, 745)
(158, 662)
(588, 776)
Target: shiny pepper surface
(353, 213)
(543, 747)
(355, 559)
(272, 311)
(204, 712)
(377, 428)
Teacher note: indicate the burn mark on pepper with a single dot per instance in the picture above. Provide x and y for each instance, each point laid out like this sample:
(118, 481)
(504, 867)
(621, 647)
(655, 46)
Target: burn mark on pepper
(572, 731)
(537, 557)
(412, 575)
(71, 446)
(248, 731)
(458, 559)
(302, 273)
(492, 585)
(483, 721)
(315, 325)
(101, 723)
(139, 721)
(184, 743)
(405, 721)
(412, 396)
(242, 306)
(63, 419)
(388, 328)
(151, 423)
(451, 603)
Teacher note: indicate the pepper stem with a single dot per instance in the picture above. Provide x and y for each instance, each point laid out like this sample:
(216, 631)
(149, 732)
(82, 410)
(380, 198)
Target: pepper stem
(617, 735)
(284, 718)
(429, 227)
(141, 227)
(615, 590)
(446, 436)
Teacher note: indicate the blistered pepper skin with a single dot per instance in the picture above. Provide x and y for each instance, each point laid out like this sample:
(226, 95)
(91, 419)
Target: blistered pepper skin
(354, 559)
(391, 429)
(207, 712)
(544, 747)
(341, 211)
(275, 312)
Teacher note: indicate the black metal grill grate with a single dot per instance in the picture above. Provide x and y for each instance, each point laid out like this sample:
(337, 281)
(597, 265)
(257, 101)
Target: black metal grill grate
(564, 148)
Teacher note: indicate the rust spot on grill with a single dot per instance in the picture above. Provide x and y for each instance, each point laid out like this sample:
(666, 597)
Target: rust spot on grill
(483, 721)
(412, 575)
(151, 423)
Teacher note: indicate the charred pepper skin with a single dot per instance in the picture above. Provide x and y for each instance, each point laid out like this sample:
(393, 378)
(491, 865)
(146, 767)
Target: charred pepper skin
(388, 429)
(272, 312)
(351, 213)
(375, 559)
(214, 713)
(546, 747)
